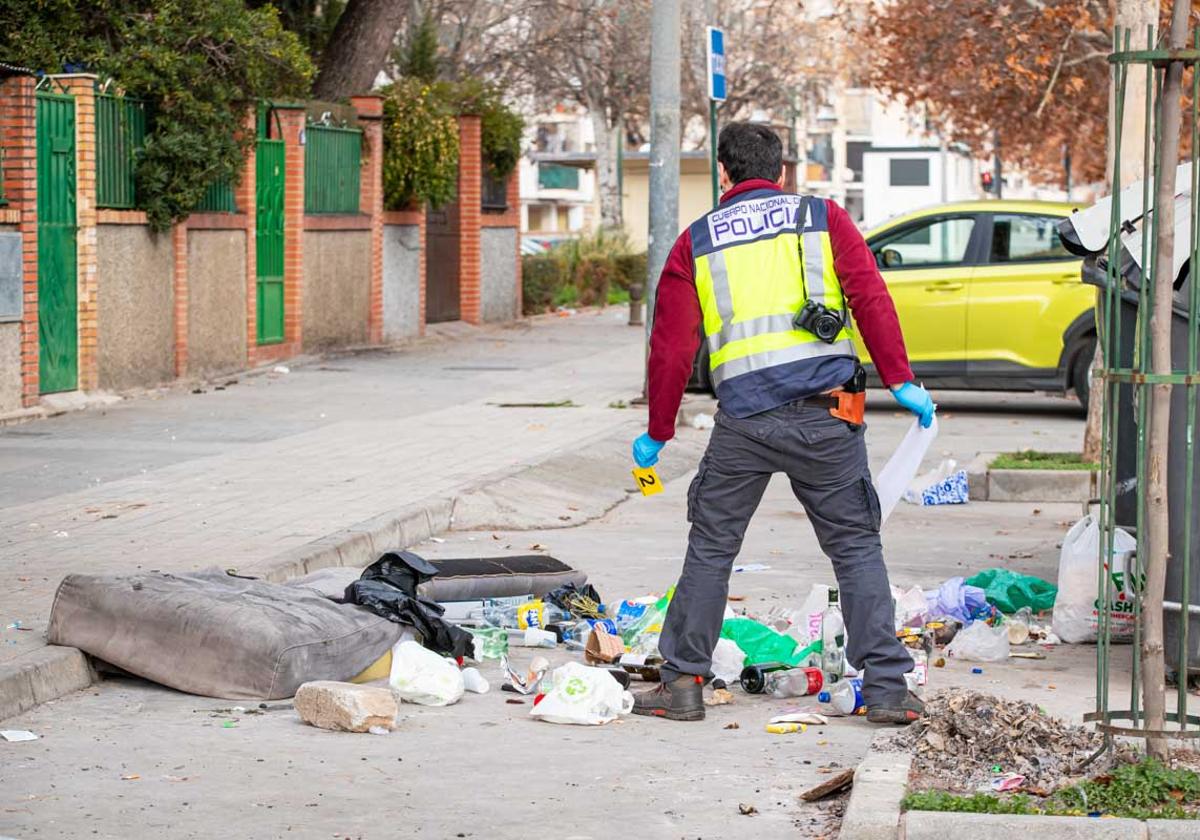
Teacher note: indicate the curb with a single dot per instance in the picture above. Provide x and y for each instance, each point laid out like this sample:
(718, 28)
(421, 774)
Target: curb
(988, 485)
(54, 671)
(40, 675)
(873, 812)
(938, 825)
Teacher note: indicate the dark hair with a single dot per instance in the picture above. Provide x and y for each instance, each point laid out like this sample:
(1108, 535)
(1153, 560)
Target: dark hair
(750, 150)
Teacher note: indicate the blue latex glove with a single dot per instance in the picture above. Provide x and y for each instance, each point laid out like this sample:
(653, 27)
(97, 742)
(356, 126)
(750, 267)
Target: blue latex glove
(645, 451)
(916, 399)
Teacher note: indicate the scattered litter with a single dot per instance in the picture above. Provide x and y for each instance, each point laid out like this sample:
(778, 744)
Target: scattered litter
(131, 777)
(979, 642)
(1009, 781)
(16, 735)
(418, 675)
(786, 728)
(62, 535)
(719, 697)
(438, 540)
(528, 682)
(474, 681)
(940, 662)
(964, 734)
(976, 670)
(945, 484)
(1026, 654)
(1075, 616)
(582, 695)
(751, 567)
(379, 730)
(281, 369)
(731, 725)
(746, 809)
(703, 421)
(513, 701)
(229, 724)
(1010, 591)
(811, 718)
(839, 782)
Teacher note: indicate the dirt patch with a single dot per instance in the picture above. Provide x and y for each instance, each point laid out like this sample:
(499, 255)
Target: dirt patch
(968, 738)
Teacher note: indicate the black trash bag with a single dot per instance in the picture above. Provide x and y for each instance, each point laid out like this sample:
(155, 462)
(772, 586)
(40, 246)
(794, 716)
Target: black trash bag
(568, 597)
(388, 587)
(402, 569)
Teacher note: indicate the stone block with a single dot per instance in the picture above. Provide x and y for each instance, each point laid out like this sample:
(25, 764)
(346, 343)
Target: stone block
(345, 706)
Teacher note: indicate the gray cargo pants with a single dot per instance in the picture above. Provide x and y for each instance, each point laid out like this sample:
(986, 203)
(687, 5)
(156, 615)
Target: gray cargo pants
(826, 460)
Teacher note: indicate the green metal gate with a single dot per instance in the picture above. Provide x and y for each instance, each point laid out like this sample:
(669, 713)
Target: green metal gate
(58, 310)
(269, 188)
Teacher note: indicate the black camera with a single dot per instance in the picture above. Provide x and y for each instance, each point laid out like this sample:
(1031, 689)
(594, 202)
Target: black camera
(818, 319)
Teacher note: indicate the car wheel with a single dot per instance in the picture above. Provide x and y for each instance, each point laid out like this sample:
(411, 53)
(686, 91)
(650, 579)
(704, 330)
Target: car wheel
(1081, 370)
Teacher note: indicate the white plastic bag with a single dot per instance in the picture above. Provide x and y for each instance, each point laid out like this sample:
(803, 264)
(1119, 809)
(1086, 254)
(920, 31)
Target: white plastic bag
(421, 676)
(728, 660)
(583, 695)
(896, 474)
(977, 642)
(945, 484)
(1075, 607)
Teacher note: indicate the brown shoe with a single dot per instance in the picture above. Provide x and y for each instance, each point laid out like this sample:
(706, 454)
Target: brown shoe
(680, 699)
(908, 709)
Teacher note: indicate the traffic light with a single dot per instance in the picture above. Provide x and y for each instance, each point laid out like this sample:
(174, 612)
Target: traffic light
(986, 181)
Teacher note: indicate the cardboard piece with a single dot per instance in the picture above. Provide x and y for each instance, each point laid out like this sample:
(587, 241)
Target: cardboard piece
(603, 647)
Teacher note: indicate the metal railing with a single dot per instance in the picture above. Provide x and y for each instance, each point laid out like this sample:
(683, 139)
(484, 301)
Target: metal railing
(218, 198)
(120, 138)
(332, 163)
(1125, 307)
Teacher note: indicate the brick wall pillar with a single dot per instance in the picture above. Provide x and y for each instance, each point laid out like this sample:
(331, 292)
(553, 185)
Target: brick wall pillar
(83, 87)
(513, 199)
(370, 202)
(292, 124)
(246, 199)
(179, 243)
(18, 134)
(422, 262)
(470, 212)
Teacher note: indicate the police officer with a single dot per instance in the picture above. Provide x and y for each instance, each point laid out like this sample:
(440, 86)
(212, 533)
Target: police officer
(768, 279)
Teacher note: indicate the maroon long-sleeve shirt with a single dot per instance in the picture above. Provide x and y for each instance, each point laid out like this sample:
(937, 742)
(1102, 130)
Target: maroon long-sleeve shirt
(677, 318)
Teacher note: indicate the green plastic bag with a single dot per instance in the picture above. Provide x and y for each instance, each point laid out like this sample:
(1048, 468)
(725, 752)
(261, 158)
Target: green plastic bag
(762, 644)
(1009, 591)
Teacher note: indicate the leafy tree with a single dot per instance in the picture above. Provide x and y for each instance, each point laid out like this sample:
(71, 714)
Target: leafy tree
(200, 65)
(1032, 73)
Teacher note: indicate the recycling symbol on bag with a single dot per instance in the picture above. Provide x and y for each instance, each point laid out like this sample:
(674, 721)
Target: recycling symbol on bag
(575, 687)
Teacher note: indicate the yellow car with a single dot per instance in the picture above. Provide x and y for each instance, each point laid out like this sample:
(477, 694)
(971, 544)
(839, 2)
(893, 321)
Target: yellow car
(988, 297)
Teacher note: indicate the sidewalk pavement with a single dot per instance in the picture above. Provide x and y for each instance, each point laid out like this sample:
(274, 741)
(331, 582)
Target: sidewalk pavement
(272, 777)
(280, 472)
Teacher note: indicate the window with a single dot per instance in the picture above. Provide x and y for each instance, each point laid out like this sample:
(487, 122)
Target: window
(552, 176)
(931, 242)
(1026, 239)
(854, 157)
(494, 192)
(909, 172)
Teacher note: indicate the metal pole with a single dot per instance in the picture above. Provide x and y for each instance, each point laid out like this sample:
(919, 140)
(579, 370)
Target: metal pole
(712, 143)
(664, 145)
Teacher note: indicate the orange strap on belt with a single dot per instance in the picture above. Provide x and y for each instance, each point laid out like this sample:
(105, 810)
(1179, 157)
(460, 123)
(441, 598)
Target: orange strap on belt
(850, 407)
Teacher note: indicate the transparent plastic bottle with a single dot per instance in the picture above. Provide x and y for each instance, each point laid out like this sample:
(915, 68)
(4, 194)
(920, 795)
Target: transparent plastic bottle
(833, 640)
(842, 698)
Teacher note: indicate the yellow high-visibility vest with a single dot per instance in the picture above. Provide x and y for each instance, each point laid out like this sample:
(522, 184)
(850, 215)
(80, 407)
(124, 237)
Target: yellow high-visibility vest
(756, 262)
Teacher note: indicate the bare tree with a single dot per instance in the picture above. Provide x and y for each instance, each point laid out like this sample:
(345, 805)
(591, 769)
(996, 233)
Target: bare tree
(359, 47)
(1157, 546)
(595, 53)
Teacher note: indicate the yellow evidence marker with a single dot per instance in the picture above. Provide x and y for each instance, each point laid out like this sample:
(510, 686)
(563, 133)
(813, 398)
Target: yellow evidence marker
(647, 480)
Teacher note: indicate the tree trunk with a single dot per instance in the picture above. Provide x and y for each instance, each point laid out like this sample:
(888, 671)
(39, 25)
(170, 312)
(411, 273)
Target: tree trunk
(358, 48)
(608, 183)
(1135, 16)
(1156, 543)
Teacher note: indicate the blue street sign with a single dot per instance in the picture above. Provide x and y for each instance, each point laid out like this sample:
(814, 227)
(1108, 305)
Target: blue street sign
(716, 64)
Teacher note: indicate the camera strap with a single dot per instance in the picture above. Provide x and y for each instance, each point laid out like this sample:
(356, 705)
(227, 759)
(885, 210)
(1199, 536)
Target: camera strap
(812, 260)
